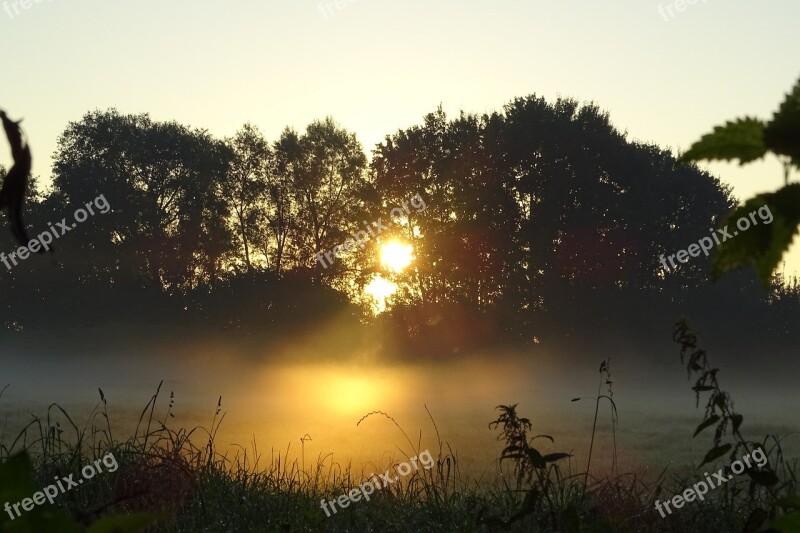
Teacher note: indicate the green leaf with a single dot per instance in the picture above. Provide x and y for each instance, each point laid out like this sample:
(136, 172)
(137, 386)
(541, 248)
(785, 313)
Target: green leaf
(124, 523)
(766, 478)
(782, 134)
(742, 139)
(715, 453)
(708, 422)
(763, 244)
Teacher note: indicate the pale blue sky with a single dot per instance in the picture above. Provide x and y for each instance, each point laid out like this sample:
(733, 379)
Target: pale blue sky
(379, 65)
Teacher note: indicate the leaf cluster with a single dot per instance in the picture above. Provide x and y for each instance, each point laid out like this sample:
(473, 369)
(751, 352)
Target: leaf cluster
(746, 140)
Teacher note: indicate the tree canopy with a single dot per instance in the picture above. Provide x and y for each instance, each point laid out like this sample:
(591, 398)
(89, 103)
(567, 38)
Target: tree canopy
(530, 210)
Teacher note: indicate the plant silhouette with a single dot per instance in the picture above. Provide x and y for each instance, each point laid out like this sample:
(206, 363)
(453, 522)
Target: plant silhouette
(15, 183)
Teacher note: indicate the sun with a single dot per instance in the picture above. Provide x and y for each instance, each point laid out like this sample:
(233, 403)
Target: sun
(396, 256)
(380, 289)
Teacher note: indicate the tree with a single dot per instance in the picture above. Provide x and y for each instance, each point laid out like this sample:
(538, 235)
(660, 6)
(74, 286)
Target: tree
(163, 182)
(245, 188)
(325, 168)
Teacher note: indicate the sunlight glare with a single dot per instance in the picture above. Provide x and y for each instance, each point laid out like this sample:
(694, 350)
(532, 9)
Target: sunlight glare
(380, 289)
(351, 395)
(396, 255)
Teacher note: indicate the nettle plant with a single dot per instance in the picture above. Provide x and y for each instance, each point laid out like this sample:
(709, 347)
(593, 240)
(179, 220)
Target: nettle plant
(746, 140)
(537, 474)
(720, 413)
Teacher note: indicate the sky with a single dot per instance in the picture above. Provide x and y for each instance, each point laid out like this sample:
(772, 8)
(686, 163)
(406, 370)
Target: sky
(376, 66)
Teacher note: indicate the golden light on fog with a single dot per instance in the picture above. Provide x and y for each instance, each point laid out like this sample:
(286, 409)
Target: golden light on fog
(396, 255)
(352, 396)
(380, 289)
(344, 391)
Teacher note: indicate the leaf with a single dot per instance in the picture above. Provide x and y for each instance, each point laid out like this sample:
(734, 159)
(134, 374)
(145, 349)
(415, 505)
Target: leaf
(742, 139)
(737, 421)
(702, 388)
(719, 399)
(536, 458)
(709, 422)
(762, 244)
(766, 478)
(782, 134)
(715, 453)
(552, 457)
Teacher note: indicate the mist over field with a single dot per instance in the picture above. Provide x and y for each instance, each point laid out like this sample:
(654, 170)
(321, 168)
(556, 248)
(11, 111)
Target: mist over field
(274, 397)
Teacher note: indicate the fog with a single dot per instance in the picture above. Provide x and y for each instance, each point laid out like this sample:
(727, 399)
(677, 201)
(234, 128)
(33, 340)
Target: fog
(271, 402)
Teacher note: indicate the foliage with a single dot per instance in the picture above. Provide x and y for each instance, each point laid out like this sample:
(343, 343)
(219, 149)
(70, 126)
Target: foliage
(538, 471)
(721, 414)
(747, 140)
(244, 189)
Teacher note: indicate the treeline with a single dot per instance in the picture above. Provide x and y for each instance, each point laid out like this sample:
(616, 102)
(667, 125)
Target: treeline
(541, 219)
